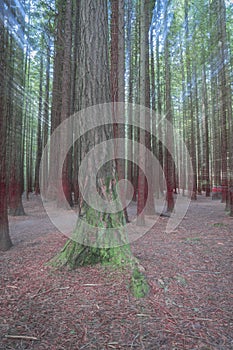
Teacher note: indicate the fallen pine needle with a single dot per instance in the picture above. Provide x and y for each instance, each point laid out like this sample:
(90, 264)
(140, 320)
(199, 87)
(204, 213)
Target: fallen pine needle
(14, 287)
(39, 293)
(208, 272)
(25, 337)
(113, 345)
(142, 315)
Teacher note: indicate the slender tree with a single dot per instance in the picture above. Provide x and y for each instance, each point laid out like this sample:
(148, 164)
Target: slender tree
(144, 137)
(169, 162)
(5, 241)
(15, 117)
(221, 41)
(159, 101)
(118, 78)
(205, 110)
(52, 191)
(39, 127)
(66, 102)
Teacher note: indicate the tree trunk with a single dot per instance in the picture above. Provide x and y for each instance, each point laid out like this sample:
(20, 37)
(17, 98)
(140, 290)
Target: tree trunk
(52, 191)
(117, 81)
(190, 102)
(198, 133)
(169, 162)
(39, 129)
(183, 126)
(76, 145)
(159, 108)
(5, 241)
(144, 137)
(149, 195)
(206, 123)
(129, 84)
(221, 18)
(46, 109)
(103, 233)
(15, 114)
(215, 99)
(66, 106)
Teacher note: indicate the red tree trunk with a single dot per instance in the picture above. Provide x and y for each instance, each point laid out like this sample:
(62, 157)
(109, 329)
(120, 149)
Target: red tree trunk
(5, 241)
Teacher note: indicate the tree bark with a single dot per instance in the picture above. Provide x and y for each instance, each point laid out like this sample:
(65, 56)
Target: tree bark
(15, 115)
(117, 80)
(94, 88)
(52, 191)
(221, 39)
(206, 123)
(169, 162)
(145, 198)
(5, 241)
(39, 128)
(66, 106)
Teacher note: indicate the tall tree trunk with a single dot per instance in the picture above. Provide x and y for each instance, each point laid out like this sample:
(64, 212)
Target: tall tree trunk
(149, 195)
(76, 145)
(117, 81)
(144, 137)
(190, 102)
(28, 120)
(215, 112)
(169, 162)
(206, 123)
(198, 133)
(183, 125)
(94, 88)
(66, 105)
(16, 166)
(221, 22)
(129, 83)
(46, 110)
(39, 127)
(159, 106)
(56, 95)
(5, 241)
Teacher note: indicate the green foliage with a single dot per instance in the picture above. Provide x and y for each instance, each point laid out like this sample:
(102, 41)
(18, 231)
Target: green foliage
(139, 286)
(192, 240)
(219, 224)
(181, 280)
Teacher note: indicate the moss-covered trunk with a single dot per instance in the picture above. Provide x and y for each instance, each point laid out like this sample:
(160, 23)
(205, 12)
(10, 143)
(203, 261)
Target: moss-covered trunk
(105, 243)
(100, 235)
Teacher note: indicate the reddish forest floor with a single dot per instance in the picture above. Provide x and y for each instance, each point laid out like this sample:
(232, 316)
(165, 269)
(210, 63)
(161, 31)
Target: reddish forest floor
(189, 306)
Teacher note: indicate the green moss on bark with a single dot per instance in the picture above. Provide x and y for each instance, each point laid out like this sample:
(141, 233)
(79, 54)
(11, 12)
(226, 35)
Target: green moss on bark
(101, 238)
(139, 286)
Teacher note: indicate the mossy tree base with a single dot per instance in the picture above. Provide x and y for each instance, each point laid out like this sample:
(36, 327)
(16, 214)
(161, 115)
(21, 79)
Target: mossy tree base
(139, 286)
(74, 255)
(101, 238)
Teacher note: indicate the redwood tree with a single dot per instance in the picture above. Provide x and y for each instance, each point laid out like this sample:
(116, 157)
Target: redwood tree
(169, 162)
(15, 115)
(66, 101)
(93, 87)
(5, 241)
(144, 137)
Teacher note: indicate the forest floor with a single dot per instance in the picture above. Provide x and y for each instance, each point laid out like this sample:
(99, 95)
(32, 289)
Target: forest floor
(189, 306)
